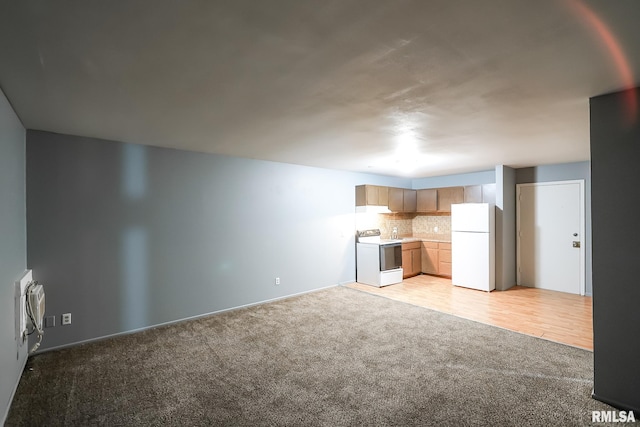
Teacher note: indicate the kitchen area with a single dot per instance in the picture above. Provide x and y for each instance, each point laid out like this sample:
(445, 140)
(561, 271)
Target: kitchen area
(413, 229)
(434, 257)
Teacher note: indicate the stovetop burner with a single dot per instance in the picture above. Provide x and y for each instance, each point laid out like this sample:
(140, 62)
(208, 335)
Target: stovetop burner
(373, 236)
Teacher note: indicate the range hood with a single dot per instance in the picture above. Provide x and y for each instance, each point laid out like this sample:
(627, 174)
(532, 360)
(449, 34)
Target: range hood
(372, 209)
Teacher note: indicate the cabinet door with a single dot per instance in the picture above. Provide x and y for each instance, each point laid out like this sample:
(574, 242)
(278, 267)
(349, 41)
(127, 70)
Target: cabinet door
(383, 196)
(416, 261)
(361, 195)
(444, 269)
(429, 257)
(448, 196)
(409, 202)
(473, 194)
(427, 200)
(407, 264)
(372, 194)
(410, 261)
(489, 193)
(396, 199)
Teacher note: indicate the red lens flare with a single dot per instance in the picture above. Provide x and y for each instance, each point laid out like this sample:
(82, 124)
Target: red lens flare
(613, 48)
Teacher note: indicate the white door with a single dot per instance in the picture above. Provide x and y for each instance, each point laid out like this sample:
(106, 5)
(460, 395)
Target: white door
(550, 221)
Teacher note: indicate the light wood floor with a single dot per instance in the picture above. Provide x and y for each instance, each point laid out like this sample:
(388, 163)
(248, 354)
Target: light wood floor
(555, 316)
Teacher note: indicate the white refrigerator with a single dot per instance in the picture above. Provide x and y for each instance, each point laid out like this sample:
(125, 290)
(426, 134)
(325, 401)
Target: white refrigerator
(473, 246)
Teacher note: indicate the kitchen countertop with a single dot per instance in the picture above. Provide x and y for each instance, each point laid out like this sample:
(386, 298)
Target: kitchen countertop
(439, 239)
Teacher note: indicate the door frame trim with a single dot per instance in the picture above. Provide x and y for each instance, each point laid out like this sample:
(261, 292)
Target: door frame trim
(582, 228)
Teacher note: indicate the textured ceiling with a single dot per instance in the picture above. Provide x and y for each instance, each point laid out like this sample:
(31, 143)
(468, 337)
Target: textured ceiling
(410, 88)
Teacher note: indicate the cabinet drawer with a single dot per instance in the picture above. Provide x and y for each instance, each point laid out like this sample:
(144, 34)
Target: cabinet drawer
(430, 245)
(410, 245)
(445, 246)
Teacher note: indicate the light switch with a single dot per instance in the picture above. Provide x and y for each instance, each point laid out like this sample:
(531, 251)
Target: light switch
(49, 321)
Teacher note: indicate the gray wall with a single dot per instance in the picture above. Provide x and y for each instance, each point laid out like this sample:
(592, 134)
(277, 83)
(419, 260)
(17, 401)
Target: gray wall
(506, 259)
(12, 248)
(565, 172)
(473, 178)
(615, 154)
(127, 236)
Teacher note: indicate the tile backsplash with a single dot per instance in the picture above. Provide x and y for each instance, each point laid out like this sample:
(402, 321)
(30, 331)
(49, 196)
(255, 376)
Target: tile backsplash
(388, 222)
(425, 226)
(436, 227)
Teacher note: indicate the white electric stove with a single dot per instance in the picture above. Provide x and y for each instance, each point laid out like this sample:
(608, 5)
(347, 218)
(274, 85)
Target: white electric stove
(378, 261)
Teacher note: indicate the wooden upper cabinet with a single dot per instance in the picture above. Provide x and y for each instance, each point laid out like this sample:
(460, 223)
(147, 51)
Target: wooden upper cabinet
(448, 196)
(473, 194)
(480, 193)
(361, 195)
(402, 200)
(410, 200)
(396, 199)
(427, 200)
(489, 193)
(372, 195)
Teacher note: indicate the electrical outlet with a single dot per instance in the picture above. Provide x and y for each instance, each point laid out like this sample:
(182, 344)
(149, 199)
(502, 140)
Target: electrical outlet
(277, 280)
(49, 321)
(66, 319)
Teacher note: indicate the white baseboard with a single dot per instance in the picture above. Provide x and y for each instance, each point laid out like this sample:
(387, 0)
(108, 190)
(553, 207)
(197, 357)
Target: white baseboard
(198, 316)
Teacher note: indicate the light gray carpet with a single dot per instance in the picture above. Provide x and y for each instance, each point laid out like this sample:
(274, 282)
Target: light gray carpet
(336, 357)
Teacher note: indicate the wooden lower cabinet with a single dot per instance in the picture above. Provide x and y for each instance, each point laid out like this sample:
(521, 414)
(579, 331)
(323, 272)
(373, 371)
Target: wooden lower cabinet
(436, 258)
(444, 258)
(411, 265)
(429, 257)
